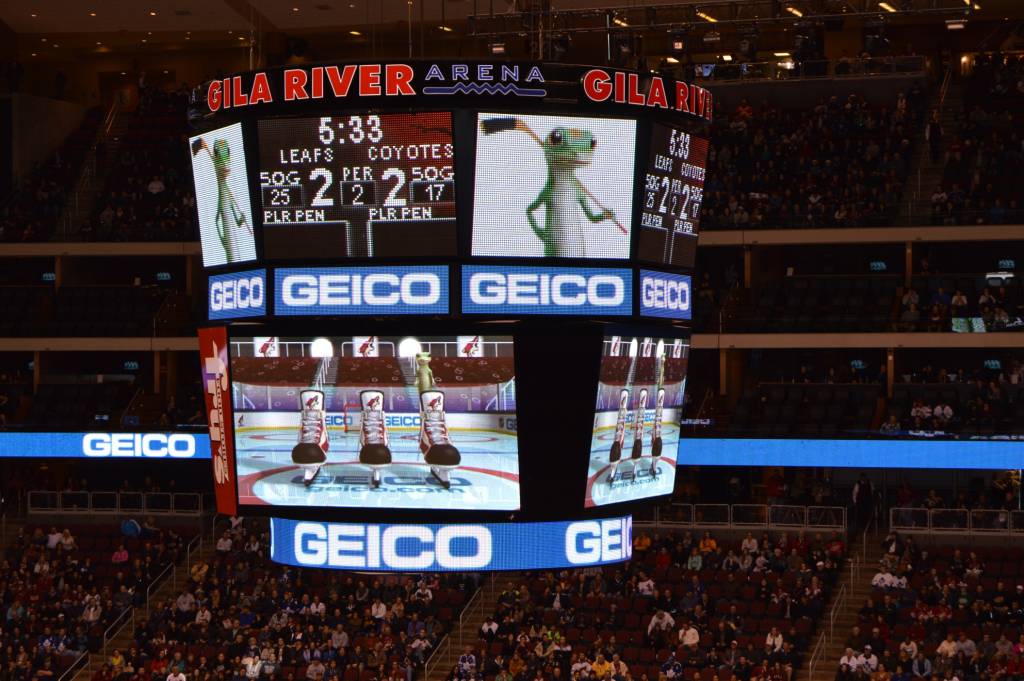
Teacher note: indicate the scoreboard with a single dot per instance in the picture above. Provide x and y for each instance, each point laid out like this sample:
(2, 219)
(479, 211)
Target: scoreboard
(444, 293)
(673, 193)
(371, 185)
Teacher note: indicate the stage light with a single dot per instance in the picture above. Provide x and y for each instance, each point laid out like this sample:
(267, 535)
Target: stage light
(321, 347)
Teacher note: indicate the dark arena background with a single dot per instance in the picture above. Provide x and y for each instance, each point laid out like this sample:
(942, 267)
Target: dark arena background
(511, 341)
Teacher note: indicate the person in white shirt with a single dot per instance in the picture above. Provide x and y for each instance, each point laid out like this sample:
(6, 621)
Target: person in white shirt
(943, 412)
(850, 660)
(67, 542)
(203, 615)
(947, 648)
(317, 607)
(92, 611)
(423, 594)
(420, 646)
(749, 544)
(176, 676)
(774, 639)
(53, 538)
(186, 602)
(224, 543)
(489, 628)
(909, 647)
(580, 666)
(689, 636)
(868, 660)
(883, 579)
(660, 625)
(378, 610)
(645, 586)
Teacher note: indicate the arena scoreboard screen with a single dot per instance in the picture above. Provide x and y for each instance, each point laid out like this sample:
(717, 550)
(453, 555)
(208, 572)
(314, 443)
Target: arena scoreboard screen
(449, 305)
(672, 196)
(372, 185)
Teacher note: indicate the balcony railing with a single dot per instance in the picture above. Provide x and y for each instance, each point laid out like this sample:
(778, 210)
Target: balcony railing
(115, 503)
(957, 520)
(743, 516)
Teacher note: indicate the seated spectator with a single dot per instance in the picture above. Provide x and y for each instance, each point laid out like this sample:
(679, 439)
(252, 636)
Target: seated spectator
(943, 413)
(120, 555)
(891, 426)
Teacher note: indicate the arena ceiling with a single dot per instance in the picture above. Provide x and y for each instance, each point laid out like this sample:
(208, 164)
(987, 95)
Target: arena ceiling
(102, 25)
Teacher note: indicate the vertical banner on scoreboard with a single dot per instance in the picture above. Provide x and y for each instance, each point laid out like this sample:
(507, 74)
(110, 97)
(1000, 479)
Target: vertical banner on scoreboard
(213, 351)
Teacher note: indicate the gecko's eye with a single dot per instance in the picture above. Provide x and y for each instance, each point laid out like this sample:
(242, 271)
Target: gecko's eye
(556, 137)
(593, 143)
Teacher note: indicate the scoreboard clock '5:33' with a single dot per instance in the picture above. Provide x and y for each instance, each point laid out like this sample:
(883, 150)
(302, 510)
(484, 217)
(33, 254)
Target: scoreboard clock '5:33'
(358, 185)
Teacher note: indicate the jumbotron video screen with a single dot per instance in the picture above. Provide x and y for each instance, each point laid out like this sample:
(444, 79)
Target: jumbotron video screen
(360, 186)
(553, 186)
(640, 394)
(222, 196)
(387, 422)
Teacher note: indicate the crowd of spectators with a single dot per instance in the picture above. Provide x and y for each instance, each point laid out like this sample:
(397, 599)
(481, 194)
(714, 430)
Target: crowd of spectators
(684, 607)
(148, 194)
(939, 613)
(242, 617)
(985, 156)
(60, 589)
(33, 210)
(936, 308)
(841, 163)
(986, 400)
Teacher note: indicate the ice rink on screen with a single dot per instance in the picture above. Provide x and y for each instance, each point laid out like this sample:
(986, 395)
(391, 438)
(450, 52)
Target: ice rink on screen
(487, 478)
(626, 487)
(511, 172)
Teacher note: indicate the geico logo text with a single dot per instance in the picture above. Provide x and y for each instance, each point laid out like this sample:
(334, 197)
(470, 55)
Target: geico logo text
(310, 290)
(564, 290)
(665, 294)
(157, 445)
(599, 541)
(391, 420)
(236, 294)
(339, 545)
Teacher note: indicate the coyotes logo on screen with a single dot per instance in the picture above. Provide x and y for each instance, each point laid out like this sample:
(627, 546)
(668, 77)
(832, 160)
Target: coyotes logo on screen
(213, 349)
(470, 346)
(266, 347)
(365, 346)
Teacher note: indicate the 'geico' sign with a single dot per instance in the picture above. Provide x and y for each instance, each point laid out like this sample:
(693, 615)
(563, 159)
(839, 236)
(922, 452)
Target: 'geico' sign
(491, 546)
(374, 546)
(593, 542)
(664, 295)
(155, 445)
(237, 295)
(362, 290)
(555, 290)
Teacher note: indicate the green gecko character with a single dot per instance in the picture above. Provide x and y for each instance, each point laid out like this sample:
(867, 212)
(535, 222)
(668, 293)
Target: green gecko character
(228, 215)
(563, 197)
(424, 374)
